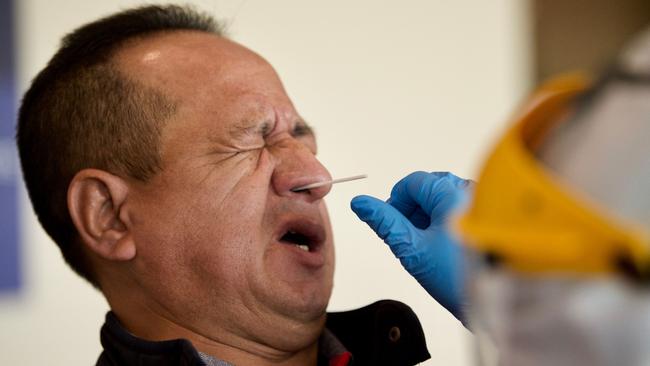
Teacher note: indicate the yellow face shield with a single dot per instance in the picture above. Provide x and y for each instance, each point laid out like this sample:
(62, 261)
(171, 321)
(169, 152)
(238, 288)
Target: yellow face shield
(526, 219)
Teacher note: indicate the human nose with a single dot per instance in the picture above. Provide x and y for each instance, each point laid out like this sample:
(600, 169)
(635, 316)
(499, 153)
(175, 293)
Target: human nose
(296, 165)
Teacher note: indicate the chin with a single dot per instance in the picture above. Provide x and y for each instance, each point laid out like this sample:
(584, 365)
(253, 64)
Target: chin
(311, 308)
(305, 306)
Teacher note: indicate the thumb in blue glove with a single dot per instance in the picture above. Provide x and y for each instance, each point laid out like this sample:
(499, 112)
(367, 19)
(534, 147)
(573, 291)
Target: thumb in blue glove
(413, 222)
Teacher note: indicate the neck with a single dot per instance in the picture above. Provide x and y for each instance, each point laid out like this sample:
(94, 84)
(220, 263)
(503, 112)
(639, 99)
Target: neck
(293, 345)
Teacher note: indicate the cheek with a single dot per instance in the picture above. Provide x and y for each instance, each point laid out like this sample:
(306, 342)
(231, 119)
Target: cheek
(225, 236)
(211, 255)
(203, 226)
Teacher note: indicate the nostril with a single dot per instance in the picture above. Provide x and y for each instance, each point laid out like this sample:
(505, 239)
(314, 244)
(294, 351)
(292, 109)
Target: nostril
(313, 191)
(310, 186)
(302, 190)
(319, 192)
(328, 183)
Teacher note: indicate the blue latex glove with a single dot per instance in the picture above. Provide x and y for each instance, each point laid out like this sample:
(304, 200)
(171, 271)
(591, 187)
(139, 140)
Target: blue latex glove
(413, 222)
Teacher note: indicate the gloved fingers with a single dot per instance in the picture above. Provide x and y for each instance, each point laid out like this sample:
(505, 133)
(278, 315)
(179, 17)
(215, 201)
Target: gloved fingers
(434, 193)
(420, 219)
(466, 185)
(389, 224)
(454, 200)
(447, 198)
(401, 198)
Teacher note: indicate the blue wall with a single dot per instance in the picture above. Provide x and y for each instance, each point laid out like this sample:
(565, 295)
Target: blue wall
(9, 241)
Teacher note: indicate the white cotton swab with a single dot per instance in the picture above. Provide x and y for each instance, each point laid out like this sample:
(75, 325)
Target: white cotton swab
(333, 181)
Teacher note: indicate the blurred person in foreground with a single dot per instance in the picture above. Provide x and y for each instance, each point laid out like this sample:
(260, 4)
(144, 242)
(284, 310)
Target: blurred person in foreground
(556, 265)
(161, 157)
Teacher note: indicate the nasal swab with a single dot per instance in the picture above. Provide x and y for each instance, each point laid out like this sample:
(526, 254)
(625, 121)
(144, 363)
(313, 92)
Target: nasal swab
(333, 181)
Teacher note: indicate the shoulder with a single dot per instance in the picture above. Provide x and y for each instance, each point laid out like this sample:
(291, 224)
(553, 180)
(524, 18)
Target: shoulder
(386, 332)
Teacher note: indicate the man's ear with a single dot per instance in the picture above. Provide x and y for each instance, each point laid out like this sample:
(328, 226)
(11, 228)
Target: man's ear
(96, 203)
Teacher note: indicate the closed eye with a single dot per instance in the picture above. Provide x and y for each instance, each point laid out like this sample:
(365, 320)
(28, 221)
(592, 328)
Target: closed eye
(265, 129)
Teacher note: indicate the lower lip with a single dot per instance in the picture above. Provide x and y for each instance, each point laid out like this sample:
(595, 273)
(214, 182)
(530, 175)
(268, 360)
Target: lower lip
(313, 258)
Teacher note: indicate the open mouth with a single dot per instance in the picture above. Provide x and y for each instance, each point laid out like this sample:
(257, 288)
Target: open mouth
(297, 239)
(304, 235)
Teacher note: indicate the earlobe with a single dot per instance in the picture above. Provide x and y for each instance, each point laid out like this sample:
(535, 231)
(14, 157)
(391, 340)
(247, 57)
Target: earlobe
(96, 203)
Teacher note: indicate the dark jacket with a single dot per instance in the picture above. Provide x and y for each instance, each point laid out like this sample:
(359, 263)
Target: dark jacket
(384, 333)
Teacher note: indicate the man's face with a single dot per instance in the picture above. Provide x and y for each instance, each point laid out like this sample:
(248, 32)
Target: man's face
(222, 240)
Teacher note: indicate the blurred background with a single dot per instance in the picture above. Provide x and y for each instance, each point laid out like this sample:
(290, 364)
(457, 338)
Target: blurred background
(390, 87)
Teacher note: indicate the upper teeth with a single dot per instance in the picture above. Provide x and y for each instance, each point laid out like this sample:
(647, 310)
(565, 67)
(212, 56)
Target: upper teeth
(303, 247)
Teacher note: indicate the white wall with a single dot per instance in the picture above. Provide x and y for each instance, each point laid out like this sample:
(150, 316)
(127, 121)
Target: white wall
(390, 86)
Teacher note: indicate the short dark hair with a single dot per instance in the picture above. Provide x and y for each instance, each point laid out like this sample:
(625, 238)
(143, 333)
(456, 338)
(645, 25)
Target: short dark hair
(82, 112)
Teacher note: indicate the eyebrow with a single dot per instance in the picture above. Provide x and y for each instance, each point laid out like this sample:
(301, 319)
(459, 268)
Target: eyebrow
(250, 127)
(305, 128)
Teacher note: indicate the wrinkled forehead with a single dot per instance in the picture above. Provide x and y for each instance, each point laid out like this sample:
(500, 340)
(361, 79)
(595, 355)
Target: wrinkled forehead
(214, 82)
(191, 64)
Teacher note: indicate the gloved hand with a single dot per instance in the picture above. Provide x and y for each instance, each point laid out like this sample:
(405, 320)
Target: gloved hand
(413, 222)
